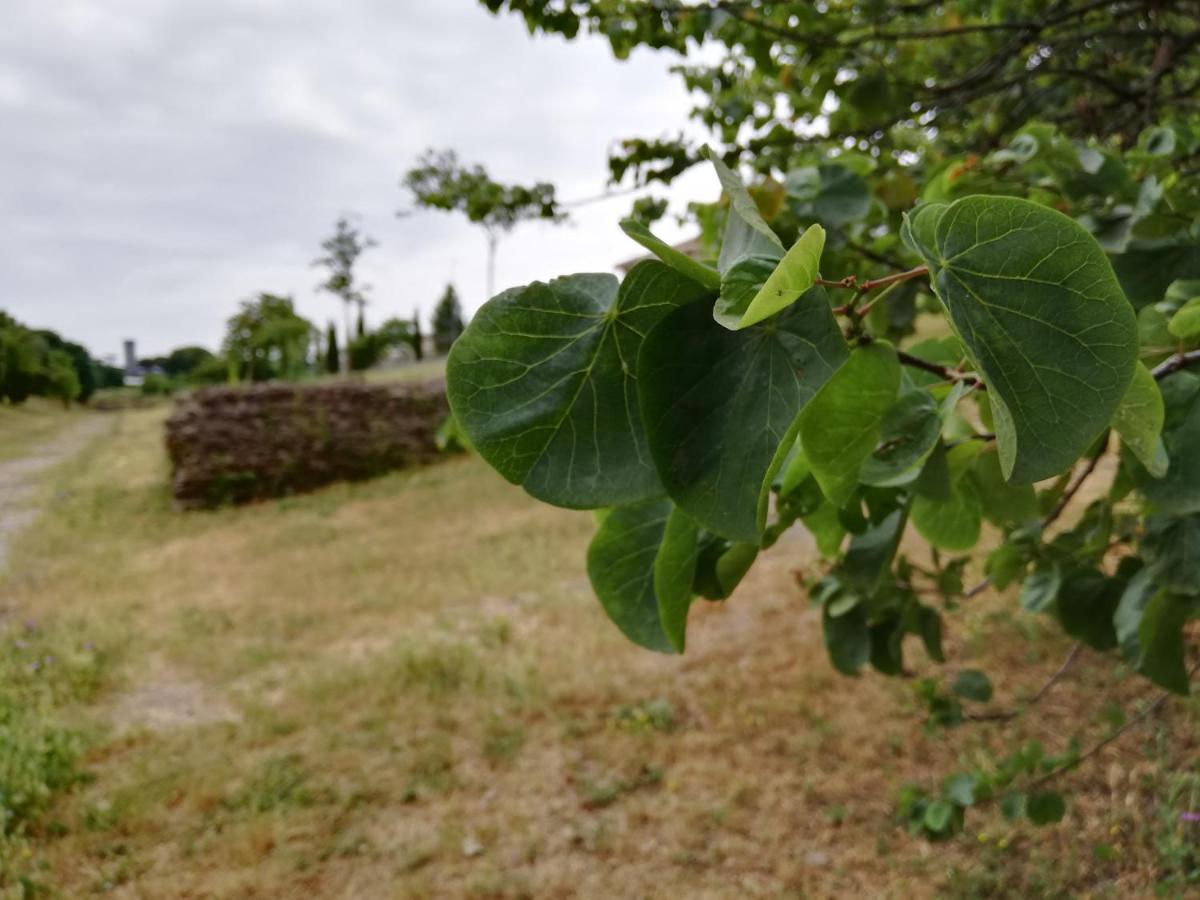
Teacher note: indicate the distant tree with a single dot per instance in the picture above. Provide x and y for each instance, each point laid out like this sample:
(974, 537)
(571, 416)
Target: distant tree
(342, 251)
(438, 181)
(333, 363)
(81, 363)
(183, 361)
(417, 338)
(107, 376)
(38, 363)
(267, 339)
(447, 320)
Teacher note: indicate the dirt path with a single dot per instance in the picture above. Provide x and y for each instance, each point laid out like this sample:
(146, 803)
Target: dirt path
(19, 478)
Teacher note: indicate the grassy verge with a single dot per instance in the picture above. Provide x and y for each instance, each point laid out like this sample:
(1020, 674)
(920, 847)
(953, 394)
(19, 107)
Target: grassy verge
(34, 422)
(403, 688)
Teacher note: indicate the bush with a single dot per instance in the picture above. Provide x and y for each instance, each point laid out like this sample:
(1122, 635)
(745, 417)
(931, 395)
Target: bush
(238, 444)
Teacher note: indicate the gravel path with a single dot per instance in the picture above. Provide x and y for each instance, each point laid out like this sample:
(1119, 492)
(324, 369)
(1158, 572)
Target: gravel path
(19, 477)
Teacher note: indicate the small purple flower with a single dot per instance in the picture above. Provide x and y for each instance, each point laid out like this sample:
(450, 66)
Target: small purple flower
(34, 666)
(30, 625)
(1190, 817)
(89, 646)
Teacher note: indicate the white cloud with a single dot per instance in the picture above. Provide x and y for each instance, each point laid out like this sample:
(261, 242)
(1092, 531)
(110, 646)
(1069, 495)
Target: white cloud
(164, 160)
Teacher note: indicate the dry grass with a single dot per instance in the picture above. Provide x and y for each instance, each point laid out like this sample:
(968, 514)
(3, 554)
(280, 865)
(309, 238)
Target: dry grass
(34, 422)
(404, 689)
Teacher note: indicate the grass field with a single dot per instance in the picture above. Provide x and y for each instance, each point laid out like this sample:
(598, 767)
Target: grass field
(34, 422)
(403, 688)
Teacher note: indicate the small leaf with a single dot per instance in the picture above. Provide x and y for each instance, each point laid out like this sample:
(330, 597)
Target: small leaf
(621, 566)
(1161, 644)
(1087, 601)
(1001, 503)
(1185, 324)
(971, 684)
(1042, 316)
(1177, 492)
(784, 285)
(675, 259)
(746, 233)
(841, 426)
(1012, 806)
(674, 572)
(952, 524)
(960, 788)
(1045, 807)
(1039, 593)
(938, 816)
(1139, 421)
(908, 434)
(848, 640)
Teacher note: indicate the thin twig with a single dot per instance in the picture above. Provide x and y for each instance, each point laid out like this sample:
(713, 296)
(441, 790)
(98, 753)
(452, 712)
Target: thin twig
(1096, 748)
(1005, 715)
(944, 372)
(1175, 363)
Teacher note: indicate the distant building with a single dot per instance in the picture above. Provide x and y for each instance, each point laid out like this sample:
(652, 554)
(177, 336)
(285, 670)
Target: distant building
(135, 372)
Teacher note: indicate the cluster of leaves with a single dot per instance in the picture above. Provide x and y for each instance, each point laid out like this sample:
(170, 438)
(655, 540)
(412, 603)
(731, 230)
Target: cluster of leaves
(704, 406)
(41, 363)
(891, 75)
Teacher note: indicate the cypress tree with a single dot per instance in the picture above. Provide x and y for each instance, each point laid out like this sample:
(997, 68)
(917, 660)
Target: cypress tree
(333, 361)
(418, 340)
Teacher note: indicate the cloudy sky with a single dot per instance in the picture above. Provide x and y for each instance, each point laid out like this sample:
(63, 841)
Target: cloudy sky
(162, 159)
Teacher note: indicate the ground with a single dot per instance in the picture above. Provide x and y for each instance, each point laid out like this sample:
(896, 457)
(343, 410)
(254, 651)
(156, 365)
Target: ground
(403, 688)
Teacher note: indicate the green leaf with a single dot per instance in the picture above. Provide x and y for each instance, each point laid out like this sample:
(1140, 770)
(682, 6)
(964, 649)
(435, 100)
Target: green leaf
(621, 566)
(1139, 421)
(1171, 546)
(1041, 315)
(848, 640)
(1177, 492)
(746, 232)
(1086, 604)
(674, 572)
(1160, 642)
(952, 524)
(869, 556)
(938, 816)
(1039, 593)
(971, 684)
(841, 426)
(721, 566)
(543, 383)
(784, 284)
(675, 259)
(829, 193)
(825, 525)
(1002, 504)
(960, 788)
(1128, 617)
(908, 434)
(1045, 807)
(720, 406)
(1185, 324)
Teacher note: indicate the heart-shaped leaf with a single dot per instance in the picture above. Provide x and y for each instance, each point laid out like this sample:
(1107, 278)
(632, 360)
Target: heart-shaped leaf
(721, 406)
(1039, 310)
(543, 381)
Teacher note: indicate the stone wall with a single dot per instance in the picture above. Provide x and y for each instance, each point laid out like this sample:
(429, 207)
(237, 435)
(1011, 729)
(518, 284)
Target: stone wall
(238, 444)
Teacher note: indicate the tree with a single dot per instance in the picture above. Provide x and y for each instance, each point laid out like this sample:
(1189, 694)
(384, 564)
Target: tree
(333, 363)
(767, 377)
(417, 338)
(342, 251)
(885, 76)
(438, 181)
(183, 361)
(41, 363)
(447, 320)
(267, 339)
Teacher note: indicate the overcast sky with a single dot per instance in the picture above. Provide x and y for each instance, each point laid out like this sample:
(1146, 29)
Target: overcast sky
(162, 159)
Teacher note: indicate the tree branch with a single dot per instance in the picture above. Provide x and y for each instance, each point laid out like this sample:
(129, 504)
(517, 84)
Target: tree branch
(1175, 363)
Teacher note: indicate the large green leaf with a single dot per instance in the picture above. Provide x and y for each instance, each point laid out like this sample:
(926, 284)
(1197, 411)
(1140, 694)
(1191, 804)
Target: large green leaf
(621, 566)
(746, 299)
(1040, 312)
(543, 382)
(1001, 503)
(842, 424)
(1139, 421)
(829, 193)
(1161, 648)
(1086, 605)
(720, 406)
(677, 260)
